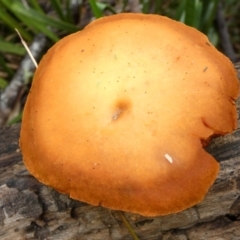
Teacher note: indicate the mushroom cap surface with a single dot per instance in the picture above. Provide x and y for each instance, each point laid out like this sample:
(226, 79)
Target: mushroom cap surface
(118, 114)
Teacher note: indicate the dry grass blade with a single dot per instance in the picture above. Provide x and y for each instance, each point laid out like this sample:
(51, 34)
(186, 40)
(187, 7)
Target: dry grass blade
(128, 226)
(27, 48)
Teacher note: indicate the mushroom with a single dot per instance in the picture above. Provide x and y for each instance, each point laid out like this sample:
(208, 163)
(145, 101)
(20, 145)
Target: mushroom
(119, 114)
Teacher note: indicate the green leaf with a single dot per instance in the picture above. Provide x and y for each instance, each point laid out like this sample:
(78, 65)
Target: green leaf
(8, 47)
(69, 15)
(97, 11)
(208, 14)
(3, 83)
(145, 6)
(213, 36)
(104, 6)
(35, 4)
(38, 27)
(12, 23)
(180, 12)
(5, 67)
(58, 8)
(37, 17)
(190, 12)
(198, 15)
(17, 119)
(157, 8)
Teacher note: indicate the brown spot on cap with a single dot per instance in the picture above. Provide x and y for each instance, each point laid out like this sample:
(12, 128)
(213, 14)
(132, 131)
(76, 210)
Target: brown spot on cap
(120, 108)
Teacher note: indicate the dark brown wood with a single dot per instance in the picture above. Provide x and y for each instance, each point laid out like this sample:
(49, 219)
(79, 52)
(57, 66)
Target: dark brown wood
(30, 210)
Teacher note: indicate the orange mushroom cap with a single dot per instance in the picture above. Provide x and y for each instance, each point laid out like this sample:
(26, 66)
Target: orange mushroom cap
(118, 114)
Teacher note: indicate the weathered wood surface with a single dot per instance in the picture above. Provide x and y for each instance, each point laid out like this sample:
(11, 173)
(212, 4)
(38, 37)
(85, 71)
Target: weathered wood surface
(30, 210)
